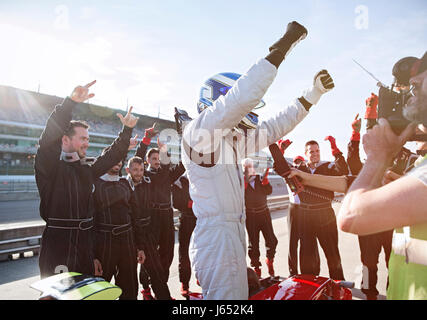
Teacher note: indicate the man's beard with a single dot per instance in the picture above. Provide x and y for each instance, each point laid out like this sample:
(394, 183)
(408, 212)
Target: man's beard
(82, 153)
(417, 110)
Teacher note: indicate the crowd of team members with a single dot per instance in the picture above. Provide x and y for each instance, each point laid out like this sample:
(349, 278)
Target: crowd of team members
(103, 222)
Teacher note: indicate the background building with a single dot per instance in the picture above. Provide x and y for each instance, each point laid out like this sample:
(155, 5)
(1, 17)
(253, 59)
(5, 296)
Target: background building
(23, 115)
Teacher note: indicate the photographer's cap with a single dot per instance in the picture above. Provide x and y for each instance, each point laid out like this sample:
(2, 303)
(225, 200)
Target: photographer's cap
(419, 66)
(402, 70)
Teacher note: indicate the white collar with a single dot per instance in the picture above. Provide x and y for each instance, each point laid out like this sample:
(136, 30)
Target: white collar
(69, 156)
(109, 177)
(74, 156)
(131, 183)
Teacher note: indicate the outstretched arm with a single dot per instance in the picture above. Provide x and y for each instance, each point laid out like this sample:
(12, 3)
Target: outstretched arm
(331, 183)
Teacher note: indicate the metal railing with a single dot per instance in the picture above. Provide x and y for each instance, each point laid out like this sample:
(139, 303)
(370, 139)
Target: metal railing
(10, 186)
(25, 238)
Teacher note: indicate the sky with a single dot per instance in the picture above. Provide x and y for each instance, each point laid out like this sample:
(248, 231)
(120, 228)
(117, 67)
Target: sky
(155, 55)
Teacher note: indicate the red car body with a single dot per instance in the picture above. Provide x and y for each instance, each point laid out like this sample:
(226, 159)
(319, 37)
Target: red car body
(300, 287)
(303, 287)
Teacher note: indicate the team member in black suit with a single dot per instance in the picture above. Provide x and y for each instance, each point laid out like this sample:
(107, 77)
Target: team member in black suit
(258, 217)
(151, 272)
(317, 218)
(162, 175)
(187, 222)
(65, 180)
(115, 226)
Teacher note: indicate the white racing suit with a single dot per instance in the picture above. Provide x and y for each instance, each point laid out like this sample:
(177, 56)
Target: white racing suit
(218, 244)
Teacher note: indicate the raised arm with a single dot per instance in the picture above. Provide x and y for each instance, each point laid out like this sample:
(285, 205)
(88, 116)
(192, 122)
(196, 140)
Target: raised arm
(118, 149)
(353, 157)
(340, 166)
(266, 186)
(175, 171)
(150, 133)
(227, 111)
(49, 150)
(268, 132)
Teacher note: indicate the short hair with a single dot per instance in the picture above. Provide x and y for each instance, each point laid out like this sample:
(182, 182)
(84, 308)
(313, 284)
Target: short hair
(247, 161)
(70, 132)
(311, 142)
(135, 159)
(152, 151)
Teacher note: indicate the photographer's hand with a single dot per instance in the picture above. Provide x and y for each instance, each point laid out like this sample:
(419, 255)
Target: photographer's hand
(381, 144)
(365, 202)
(390, 176)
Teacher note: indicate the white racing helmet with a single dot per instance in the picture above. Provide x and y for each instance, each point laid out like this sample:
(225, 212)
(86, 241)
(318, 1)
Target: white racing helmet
(219, 85)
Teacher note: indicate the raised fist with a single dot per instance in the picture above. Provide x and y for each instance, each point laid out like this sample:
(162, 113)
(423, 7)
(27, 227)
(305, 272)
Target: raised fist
(323, 81)
(371, 107)
(81, 93)
(331, 139)
(334, 148)
(283, 144)
(265, 177)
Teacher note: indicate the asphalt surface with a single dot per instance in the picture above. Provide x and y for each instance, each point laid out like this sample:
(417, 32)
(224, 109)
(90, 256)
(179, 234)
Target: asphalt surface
(16, 276)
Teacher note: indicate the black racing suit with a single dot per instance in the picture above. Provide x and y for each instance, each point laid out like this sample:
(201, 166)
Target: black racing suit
(258, 219)
(115, 248)
(152, 270)
(66, 202)
(187, 222)
(294, 228)
(370, 245)
(318, 222)
(162, 218)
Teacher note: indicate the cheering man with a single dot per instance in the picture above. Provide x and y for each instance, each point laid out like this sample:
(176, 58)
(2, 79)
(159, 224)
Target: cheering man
(65, 180)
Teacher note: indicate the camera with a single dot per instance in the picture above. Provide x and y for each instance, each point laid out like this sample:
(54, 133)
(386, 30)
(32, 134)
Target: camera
(391, 101)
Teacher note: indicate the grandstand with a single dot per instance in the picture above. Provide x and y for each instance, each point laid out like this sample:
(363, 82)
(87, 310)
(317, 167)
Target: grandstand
(23, 115)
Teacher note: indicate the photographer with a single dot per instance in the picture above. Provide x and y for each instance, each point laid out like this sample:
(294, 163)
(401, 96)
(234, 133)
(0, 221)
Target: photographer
(371, 208)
